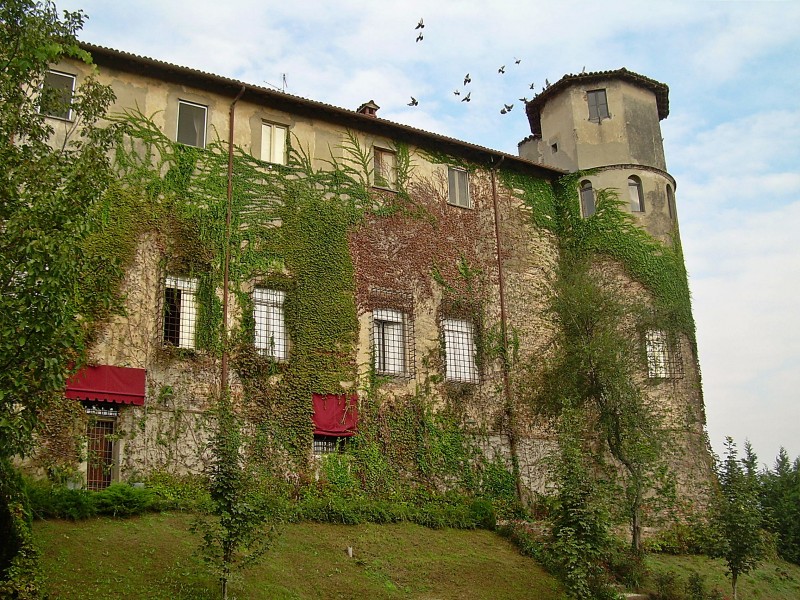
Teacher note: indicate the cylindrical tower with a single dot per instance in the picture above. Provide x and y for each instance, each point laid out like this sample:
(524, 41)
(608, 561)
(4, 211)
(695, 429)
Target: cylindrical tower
(608, 122)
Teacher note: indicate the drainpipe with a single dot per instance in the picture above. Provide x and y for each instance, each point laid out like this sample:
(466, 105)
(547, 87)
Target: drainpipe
(511, 418)
(225, 284)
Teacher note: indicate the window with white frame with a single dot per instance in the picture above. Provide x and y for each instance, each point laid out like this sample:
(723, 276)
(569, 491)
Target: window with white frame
(636, 194)
(192, 124)
(663, 356)
(273, 143)
(57, 91)
(270, 329)
(587, 199)
(385, 175)
(598, 105)
(389, 341)
(180, 311)
(459, 350)
(458, 187)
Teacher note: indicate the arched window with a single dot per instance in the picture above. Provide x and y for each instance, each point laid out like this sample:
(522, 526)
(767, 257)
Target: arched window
(636, 194)
(587, 198)
(670, 202)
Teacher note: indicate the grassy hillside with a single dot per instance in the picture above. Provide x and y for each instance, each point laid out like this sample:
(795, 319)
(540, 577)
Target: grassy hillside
(155, 557)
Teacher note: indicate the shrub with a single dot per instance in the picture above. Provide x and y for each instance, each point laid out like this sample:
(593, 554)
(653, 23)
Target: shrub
(179, 492)
(50, 501)
(123, 500)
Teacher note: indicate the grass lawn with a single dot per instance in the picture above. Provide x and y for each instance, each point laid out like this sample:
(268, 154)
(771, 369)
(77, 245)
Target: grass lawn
(776, 580)
(155, 556)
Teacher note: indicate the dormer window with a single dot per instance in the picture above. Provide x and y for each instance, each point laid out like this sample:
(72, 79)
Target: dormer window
(598, 105)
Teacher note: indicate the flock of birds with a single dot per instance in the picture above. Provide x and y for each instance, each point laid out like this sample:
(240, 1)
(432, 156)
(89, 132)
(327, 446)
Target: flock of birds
(467, 80)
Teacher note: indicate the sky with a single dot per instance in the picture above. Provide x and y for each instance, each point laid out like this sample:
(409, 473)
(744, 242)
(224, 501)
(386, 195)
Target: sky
(732, 139)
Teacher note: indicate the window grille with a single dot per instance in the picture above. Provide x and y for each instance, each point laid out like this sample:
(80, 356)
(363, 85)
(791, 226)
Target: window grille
(180, 312)
(598, 105)
(100, 459)
(270, 329)
(458, 187)
(459, 348)
(392, 332)
(325, 444)
(664, 360)
(192, 124)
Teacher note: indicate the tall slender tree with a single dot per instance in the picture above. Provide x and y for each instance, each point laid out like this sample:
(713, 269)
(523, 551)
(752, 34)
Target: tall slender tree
(48, 192)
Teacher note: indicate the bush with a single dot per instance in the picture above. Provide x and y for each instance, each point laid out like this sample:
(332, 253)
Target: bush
(50, 501)
(123, 500)
(179, 492)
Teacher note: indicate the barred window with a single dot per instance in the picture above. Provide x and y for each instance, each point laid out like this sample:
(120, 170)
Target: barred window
(389, 341)
(270, 330)
(180, 311)
(100, 453)
(459, 348)
(664, 359)
(326, 444)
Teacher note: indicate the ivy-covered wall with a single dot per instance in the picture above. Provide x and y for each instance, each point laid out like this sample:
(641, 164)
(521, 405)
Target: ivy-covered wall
(339, 248)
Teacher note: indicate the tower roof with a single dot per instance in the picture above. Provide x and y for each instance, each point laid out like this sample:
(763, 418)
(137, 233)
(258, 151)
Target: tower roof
(534, 107)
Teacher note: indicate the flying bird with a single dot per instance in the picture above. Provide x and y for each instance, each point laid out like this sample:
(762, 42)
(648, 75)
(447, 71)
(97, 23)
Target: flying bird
(533, 86)
(517, 60)
(466, 98)
(502, 69)
(457, 92)
(467, 79)
(414, 101)
(503, 111)
(420, 25)
(524, 100)
(508, 107)
(419, 37)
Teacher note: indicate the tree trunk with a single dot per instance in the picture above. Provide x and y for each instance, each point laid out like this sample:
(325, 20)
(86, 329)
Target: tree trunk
(734, 578)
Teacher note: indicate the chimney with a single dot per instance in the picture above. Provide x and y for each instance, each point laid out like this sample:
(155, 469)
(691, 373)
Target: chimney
(369, 108)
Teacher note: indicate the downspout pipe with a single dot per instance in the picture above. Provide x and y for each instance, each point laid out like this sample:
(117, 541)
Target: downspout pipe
(511, 418)
(225, 276)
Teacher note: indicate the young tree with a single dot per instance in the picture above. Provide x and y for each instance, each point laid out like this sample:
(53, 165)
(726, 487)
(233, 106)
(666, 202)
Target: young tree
(737, 514)
(780, 497)
(595, 366)
(47, 195)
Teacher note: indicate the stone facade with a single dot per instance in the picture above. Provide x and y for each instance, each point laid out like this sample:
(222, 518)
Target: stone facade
(395, 257)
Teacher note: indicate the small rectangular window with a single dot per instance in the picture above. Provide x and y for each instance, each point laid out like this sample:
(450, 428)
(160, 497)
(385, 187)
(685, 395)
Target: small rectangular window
(664, 359)
(270, 329)
(327, 444)
(57, 91)
(180, 312)
(385, 169)
(458, 187)
(273, 143)
(389, 341)
(588, 206)
(192, 124)
(459, 350)
(598, 105)
(636, 194)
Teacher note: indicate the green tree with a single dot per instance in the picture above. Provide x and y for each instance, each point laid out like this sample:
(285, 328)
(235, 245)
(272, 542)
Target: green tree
(780, 497)
(48, 193)
(595, 366)
(737, 514)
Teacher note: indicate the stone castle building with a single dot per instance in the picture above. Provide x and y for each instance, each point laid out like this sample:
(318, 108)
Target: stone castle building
(444, 267)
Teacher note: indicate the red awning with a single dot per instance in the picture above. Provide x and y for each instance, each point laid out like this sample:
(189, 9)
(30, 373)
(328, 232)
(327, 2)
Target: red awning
(335, 415)
(107, 384)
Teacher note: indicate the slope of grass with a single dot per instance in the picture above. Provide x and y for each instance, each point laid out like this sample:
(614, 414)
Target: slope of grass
(155, 557)
(772, 580)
